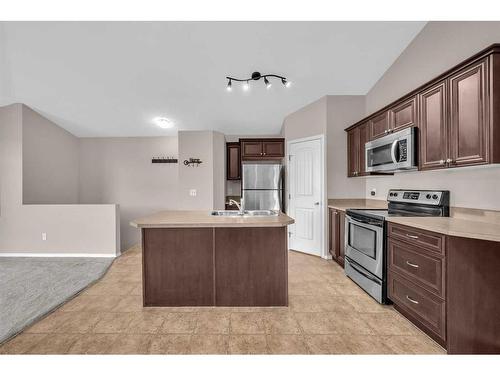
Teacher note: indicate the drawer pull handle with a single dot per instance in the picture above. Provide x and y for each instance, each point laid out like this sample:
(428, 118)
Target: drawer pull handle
(412, 236)
(411, 300)
(412, 264)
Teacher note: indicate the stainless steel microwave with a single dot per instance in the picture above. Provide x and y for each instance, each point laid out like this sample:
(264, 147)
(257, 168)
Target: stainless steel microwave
(392, 152)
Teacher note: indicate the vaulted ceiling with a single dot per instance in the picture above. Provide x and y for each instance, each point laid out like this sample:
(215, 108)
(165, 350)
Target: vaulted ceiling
(113, 78)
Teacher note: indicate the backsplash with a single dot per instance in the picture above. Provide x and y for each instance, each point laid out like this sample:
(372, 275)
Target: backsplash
(470, 187)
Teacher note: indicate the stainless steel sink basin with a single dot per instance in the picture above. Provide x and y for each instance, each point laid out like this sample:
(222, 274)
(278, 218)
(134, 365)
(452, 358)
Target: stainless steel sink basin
(245, 213)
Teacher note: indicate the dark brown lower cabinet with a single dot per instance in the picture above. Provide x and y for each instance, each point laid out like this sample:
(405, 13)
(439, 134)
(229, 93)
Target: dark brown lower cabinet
(215, 266)
(336, 227)
(448, 287)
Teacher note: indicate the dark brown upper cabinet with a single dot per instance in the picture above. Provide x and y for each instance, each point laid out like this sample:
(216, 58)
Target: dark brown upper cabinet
(433, 127)
(469, 115)
(457, 113)
(233, 161)
(356, 139)
(262, 148)
(403, 115)
(379, 125)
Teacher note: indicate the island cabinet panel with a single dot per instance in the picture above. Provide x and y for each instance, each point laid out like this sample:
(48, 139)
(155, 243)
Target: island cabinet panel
(251, 266)
(469, 124)
(433, 127)
(473, 302)
(178, 266)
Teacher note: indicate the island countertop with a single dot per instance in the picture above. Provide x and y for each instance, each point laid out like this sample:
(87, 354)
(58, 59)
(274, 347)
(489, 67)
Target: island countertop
(203, 218)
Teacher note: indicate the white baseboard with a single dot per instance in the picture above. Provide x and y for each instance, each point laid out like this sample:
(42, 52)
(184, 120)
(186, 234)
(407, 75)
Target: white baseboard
(58, 255)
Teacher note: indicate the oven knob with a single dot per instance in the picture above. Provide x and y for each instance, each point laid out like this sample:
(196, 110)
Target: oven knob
(391, 194)
(435, 196)
(395, 194)
(428, 196)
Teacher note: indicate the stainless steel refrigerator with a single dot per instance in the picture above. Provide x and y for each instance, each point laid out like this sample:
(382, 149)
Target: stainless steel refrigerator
(262, 186)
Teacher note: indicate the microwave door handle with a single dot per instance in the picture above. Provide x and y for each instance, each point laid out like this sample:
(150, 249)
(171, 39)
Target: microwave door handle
(393, 151)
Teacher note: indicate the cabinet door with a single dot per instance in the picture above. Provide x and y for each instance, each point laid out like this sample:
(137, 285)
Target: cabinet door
(333, 232)
(379, 125)
(341, 246)
(251, 149)
(433, 127)
(468, 116)
(363, 138)
(275, 149)
(353, 152)
(403, 115)
(233, 162)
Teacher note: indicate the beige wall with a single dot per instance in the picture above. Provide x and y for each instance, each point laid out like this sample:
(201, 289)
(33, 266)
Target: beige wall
(342, 111)
(50, 161)
(70, 229)
(119, 170)
(438, 47)
(308, 121)
(4, 69)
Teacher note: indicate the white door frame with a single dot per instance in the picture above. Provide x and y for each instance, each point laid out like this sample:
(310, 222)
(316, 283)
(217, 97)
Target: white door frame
(324, 202)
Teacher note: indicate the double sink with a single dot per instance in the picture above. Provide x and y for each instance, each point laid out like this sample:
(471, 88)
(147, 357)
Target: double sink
(245, 213)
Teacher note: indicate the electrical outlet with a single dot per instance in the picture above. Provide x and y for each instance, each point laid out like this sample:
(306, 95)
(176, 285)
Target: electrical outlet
(44, 236)
(192, 192)
(373, 192)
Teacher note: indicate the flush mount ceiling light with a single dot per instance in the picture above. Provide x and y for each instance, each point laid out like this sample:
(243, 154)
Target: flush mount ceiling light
(255, 77)
(163, 122)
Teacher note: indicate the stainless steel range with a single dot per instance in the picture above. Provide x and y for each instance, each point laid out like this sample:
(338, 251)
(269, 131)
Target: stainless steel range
(365, 235)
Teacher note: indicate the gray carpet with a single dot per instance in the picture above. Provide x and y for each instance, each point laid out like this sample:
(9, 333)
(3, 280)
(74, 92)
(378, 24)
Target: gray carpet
(32, 287)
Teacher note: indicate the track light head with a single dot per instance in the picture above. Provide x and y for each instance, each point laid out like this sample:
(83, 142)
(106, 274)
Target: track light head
(246, 86)
(268, 84)
(229, 86)
(285, 82)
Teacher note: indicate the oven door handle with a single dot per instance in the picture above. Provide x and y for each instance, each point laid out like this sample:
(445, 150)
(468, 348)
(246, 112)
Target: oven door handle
(393, 151)
(363, 221)
(357, 269)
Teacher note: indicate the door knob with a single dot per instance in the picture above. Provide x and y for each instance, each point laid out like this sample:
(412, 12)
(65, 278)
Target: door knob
(316, 203)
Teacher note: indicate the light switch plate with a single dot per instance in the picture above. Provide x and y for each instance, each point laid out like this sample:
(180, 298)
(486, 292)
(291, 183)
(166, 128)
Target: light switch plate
(44, 236)
(192, 192)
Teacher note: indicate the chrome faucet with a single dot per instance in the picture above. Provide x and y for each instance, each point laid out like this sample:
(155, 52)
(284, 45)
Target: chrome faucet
(240, 205)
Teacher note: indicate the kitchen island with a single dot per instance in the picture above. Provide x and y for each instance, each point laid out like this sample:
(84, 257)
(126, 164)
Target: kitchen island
(194, 258)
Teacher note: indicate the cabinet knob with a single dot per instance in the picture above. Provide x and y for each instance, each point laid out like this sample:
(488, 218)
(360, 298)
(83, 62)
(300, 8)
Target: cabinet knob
(441, 162)
(264, 153)
(386, 131)
(449, 161)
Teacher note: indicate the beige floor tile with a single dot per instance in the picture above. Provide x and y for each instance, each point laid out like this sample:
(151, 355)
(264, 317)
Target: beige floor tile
(55, 343)
(129, 304)
(178, 322)
(317, 323)
(131, 344)
(351, 324)
(248, 323)
(213, 322)
(145, 323)
(113, 323)
(327, 344)
(78, 322)
(93, 344)
(281, 323)
(209, 344)
(365, 304)
(367, 344)
(305, 303)
(287, 344)
(49, 324)
(389, 323)
(22, 343)
(413, 345)
(170, 344)
(120, 288)
(248, 344)
(137, 290)
(336, 304)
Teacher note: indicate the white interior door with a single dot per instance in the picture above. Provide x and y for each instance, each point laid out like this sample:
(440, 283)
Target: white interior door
(305, 195)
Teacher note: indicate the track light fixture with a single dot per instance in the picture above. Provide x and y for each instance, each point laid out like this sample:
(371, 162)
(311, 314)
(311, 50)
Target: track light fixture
(255, 77)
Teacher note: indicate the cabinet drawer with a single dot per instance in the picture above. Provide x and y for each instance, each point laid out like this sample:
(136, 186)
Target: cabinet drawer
(418, 237)
(424, 270)
(418, 305)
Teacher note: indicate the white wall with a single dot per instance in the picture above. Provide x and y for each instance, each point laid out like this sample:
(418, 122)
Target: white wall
(119, 170)
(50, 161)
(70, 229)
(438, 47)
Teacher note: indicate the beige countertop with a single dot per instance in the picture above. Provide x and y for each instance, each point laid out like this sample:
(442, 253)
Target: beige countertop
(463, 222)
(368, 204)
(184, 219)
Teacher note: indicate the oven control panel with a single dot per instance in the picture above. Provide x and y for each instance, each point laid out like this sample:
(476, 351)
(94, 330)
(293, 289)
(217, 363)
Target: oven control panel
(429, 197)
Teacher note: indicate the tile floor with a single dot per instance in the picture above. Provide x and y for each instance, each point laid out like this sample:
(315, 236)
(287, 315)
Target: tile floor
(328, 314)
